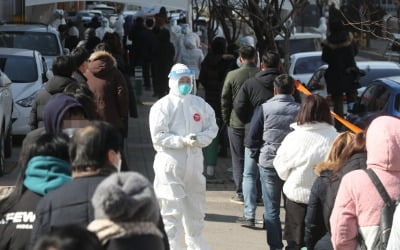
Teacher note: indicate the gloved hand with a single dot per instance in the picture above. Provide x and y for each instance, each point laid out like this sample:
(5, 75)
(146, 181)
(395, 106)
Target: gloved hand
(190, 140)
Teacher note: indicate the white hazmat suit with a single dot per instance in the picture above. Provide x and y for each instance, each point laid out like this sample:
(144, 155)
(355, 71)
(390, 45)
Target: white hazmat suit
(180, 126)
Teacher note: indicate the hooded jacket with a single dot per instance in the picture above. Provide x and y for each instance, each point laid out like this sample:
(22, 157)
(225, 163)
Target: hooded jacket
(43, 174)
(190, 54)
(254, 92)
(109, 89)
(358, 203)
(338, 52)
(54, 86)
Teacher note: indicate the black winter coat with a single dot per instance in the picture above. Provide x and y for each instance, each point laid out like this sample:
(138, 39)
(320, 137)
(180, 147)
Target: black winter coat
(212, 75)
(54, 86)
(140, 242)
(16, 225)
(70, 204)
(338, 52)
(254, 92)
(316, 222)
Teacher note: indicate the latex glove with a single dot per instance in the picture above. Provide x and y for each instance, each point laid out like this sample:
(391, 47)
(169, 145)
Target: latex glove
(190, 140)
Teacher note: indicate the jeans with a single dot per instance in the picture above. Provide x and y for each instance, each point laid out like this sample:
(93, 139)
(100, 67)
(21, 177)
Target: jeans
(271, 186)
(236, 141)
(250, 176)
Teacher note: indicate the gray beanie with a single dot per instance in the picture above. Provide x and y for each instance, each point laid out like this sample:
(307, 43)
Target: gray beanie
(126, 197)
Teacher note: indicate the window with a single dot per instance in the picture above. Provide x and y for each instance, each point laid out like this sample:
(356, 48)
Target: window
(375, 98)
(307, 65)
(372, 74)
(45, 43)
(21, 69)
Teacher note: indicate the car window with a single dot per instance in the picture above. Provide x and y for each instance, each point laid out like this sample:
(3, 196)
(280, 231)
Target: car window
(372, 74)
(307, 65)
(44, 42)
(298, 45)
(19, 68)
(375, 98)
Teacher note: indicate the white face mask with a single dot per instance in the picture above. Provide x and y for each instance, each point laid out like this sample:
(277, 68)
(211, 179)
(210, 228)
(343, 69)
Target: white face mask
(69, 131)
(119, 164)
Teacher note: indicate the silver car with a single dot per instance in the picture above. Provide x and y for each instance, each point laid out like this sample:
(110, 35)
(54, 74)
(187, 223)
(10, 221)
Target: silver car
(33, 36)
(28, 72)
(6, 106)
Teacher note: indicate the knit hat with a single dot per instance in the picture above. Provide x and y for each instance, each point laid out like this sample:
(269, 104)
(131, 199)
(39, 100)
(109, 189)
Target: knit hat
(126, 197)
(55, 109)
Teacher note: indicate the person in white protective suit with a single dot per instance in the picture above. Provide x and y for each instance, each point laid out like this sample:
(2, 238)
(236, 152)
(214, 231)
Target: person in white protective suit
(181, 124)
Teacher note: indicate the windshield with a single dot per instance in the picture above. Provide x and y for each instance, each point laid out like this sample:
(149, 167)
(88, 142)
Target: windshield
(307, 65)
(21, 69)
(298, 45)
(44, 42)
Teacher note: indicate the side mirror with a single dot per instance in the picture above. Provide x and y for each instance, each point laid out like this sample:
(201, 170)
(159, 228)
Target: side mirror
(4, 80)
(49, 74)
(66, 51)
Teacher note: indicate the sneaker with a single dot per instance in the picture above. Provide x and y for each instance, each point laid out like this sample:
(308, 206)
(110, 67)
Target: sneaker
(243, 221)
(237, 198)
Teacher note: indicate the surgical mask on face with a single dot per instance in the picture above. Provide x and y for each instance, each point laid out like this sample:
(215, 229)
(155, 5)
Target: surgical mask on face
(119, 165)
(184, 89)
(69, 131)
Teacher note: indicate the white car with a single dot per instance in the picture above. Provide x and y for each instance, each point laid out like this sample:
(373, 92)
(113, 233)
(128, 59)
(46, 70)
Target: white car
(304, 64)
(299, 42)
(6, 106)
(28, 72)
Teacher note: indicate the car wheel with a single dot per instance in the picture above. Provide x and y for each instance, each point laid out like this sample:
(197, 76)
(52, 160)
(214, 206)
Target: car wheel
(2, 157)
(8, 144)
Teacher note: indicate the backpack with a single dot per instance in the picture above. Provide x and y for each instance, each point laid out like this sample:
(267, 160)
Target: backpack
(387, 211)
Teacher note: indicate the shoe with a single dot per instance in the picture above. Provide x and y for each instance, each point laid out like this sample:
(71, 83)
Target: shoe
(238, 199)
(211, 179)
(243, 221)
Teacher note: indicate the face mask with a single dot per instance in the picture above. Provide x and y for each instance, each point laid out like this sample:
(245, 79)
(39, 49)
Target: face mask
(69, 131)
(119, 165)
(184, 89)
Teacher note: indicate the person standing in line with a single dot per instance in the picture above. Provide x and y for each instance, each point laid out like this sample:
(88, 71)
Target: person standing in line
(357, 210)
(233, 81)
(254, 92)
(80, 58)
(44, 166)
(268, 128)
(63, 66)
(300, 151)
(181, 124)
(212, 74)
(317, 231)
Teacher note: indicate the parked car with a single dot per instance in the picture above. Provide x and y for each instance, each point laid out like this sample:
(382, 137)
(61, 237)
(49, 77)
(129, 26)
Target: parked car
(6, 107)
(381, 97)
(33, 36)
(28, 71)
(300, 42)
(304, 64)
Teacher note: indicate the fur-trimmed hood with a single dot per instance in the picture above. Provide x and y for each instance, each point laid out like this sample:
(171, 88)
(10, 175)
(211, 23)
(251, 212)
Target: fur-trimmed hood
(338, 40)
(101, 61)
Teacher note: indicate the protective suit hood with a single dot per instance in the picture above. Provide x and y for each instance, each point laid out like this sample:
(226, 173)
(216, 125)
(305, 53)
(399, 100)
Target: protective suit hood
(177, 72)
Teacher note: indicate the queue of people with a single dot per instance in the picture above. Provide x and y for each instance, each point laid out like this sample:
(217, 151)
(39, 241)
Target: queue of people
(75, 190)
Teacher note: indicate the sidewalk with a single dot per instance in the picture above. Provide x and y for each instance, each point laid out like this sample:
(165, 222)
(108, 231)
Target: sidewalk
(221, 232)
